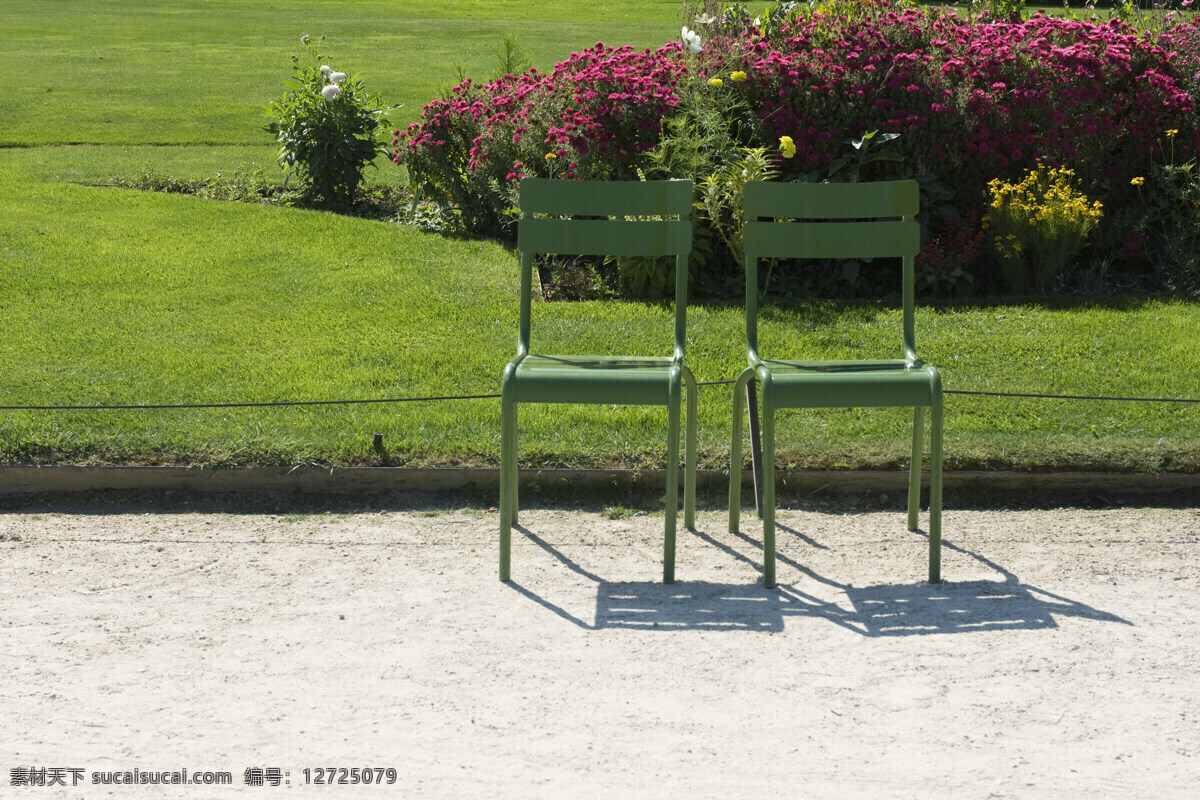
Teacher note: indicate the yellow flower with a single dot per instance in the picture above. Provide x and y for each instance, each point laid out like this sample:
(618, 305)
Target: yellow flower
(1137, 181)
(716, 83)
(1171, 134)
(787, 146)
(737, 75)
(551, 156)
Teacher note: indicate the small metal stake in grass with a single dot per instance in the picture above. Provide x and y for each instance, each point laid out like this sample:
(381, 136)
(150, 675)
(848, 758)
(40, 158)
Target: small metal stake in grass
(378, 443)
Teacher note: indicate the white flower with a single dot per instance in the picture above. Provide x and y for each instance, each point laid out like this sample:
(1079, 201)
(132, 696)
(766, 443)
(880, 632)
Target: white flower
(330, 92)
(691, 40)
(706, 19)
(338, 78)
(325, 70)
(304, 39)
(758, 22)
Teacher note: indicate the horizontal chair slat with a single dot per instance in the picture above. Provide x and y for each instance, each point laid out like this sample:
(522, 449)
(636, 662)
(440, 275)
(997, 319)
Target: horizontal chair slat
(832, 200)
(606, 198)
(832, 239)
(605, 237)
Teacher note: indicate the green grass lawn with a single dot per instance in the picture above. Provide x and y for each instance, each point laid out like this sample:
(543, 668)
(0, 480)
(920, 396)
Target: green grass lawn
(111, 296)
(199, 71)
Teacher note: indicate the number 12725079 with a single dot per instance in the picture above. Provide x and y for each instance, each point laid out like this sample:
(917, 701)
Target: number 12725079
(329, 776)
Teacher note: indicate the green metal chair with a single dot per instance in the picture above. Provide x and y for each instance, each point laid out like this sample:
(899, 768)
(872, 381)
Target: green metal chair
(849, 220)
(620, 218)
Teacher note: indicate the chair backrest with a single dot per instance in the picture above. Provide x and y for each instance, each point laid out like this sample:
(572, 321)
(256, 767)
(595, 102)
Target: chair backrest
(831, 220)
(616, 218)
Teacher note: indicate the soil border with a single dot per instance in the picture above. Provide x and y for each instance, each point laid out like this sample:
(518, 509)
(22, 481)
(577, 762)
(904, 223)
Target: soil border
(975, 486)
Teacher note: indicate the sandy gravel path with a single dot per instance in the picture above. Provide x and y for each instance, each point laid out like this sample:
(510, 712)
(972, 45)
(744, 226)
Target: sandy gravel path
(1058, 660)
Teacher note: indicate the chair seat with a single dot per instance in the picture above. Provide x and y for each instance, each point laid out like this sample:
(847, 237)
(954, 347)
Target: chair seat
(850, 384)
(594, 379)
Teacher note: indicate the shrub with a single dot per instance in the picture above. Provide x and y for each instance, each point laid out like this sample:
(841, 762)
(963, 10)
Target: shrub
(964, 100)
(1167, 236)
(946, 264)
(1038, 226)
(595, 113)
(328, 128)
(972, 102)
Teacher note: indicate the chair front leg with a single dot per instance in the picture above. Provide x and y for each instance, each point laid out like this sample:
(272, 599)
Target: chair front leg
(506, 503)
(508, 474)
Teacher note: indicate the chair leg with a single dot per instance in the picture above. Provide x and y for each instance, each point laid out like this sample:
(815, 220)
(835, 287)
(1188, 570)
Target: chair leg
(514, 468)
(689, 458)
(914, 468)
(508, 479)
(735, 456)
(768, 484)
(756, 453)
(672, 498)
(935, 491)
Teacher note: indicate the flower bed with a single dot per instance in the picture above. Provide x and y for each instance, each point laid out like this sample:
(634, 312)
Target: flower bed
(973, 100)
(591, 117)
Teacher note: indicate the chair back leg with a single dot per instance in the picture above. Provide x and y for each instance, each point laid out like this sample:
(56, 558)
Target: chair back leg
(935, 491)
(768, 503)
(689, 446)
(674, 401)
(914, 468)
(756, 453)
(735, 452)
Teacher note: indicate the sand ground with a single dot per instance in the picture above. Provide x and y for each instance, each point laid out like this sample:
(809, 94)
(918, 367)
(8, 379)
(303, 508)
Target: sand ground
(1057, 660)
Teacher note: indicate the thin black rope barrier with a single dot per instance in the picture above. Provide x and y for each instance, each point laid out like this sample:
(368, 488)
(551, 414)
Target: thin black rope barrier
(268, 404)
(439, 398)
(1075, 396)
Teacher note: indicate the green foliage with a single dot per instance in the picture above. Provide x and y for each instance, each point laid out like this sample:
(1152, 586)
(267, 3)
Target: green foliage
(511, 57)
(867, 150)
(721, 193)
(1168, 234)
(706, 137)
(1007, 9)
(647, 278)
(573, 278)
(1038, 226)
(240, 187)
(946, 263)
(709, 274)
(329, 129)
(708, 132)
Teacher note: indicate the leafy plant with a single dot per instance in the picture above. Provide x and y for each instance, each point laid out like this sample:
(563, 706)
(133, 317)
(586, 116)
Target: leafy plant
(573, 278)
(721, 193)
(511, 57)
(241, 186)
(866, 152)
(328, 128)
(1039, 225)
(1169, 231)
(945, 264)
(654, 278)
(1011, 10)
(649, 278)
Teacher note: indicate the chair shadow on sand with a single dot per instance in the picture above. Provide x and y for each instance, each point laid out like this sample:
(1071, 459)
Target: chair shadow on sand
(911, 609)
